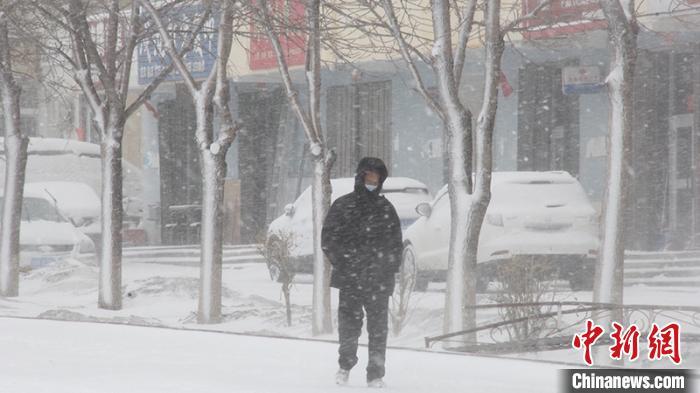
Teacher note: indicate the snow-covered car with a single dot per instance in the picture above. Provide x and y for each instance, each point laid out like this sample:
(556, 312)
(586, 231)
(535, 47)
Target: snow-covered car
(45, 235)
(543, 215)
(77, 202)
(67, 160)
(297, 226)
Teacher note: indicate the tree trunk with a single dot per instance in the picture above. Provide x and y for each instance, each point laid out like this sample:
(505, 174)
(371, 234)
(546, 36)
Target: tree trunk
(321, 202)
(213, 171)
(609, 283)
(110, 280)
(15, 164)
(609, 273)
(481, 195)
(460, 280)
(458, 130)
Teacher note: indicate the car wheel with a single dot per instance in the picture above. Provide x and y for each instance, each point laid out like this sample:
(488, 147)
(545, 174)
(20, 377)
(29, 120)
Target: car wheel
(421, 284)
(410, 278)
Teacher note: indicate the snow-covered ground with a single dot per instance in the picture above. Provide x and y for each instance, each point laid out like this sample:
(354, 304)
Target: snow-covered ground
(70, 357)
(166, 295)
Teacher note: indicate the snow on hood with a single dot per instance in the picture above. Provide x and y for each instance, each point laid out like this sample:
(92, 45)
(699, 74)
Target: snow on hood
(48, 233)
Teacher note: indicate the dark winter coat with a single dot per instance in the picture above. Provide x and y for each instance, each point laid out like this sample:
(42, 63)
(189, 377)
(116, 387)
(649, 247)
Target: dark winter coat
(361, 236)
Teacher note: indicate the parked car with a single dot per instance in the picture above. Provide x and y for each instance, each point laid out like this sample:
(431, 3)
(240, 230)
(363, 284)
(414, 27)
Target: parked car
(77, 202)
(404, 193)
(66, 160)
(45, 235)
(543, 215)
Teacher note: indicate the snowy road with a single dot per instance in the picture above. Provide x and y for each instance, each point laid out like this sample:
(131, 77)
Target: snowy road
(74, 357)
(166, 295)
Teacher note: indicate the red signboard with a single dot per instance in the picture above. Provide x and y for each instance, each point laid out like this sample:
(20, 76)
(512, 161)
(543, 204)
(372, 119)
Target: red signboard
(562, 17)
(293, 40)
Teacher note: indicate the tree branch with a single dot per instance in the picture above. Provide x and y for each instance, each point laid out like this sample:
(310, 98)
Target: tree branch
(225, 39)
(530, 15)
(465, 30)
(170, 46)
(396, 31)
(292, 93)
(167, 70)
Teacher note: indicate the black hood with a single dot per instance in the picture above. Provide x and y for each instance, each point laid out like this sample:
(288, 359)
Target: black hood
(373, 164)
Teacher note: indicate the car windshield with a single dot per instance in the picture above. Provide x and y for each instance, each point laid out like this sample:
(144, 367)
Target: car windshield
(37, 209)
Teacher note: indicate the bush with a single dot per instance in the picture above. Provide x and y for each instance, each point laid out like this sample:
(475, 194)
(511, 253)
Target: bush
(277, 253)
(524, 281)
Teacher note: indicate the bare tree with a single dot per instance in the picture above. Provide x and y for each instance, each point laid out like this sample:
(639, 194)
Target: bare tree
(468, 186)
(321, 156)
(100, 64)
(15, 159)
(210, 95)
(622, 30)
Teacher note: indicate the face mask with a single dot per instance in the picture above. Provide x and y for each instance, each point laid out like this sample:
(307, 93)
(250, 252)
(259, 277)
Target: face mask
(370, 187)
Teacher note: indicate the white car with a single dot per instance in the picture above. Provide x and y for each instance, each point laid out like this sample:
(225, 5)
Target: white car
(45, 235)
(545, 215)
(404, 193)
(56, 160)
(77, 202)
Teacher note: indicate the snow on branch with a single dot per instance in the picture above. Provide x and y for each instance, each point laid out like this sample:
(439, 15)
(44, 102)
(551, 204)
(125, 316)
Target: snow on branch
(530, 15)
(221, 97)
(186, 47)
(465, 30)
(170, 44)
(395, 29)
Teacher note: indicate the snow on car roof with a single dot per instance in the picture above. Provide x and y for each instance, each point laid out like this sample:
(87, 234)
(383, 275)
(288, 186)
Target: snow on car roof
(59, 145)
(526, 177)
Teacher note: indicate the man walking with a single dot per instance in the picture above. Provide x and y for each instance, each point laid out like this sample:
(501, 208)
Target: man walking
(362, 239)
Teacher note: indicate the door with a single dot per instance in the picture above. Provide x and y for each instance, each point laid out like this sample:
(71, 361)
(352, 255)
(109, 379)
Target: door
(180, 175)
(548, 123)
(683, 206)
(261, 111)
(358, 124)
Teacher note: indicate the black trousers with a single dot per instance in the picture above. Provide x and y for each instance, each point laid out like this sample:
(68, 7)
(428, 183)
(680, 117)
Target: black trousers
(350, 317)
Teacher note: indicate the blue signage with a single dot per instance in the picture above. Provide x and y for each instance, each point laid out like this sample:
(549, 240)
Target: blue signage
(583, 88)
(153, 58)
(582, 80)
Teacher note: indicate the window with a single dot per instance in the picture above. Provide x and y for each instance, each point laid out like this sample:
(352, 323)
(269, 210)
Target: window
(358, 124)
(548, 129)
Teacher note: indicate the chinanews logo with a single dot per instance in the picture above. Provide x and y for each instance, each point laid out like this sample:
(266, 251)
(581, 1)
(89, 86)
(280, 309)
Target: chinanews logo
(625, 380)
(660, 343)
